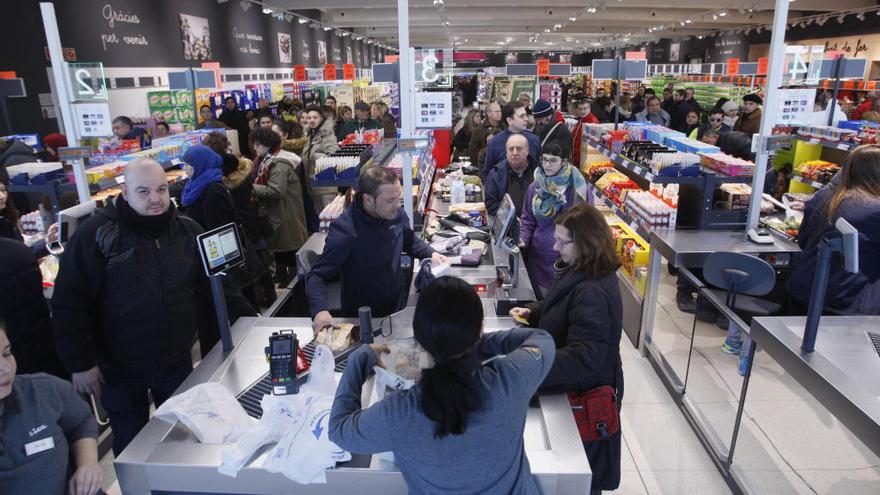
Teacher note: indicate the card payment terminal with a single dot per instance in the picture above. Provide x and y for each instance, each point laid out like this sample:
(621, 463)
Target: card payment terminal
(282, 354)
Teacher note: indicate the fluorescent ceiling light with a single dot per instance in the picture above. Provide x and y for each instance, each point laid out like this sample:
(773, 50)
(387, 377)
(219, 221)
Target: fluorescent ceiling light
(302, 20)
(267, 10)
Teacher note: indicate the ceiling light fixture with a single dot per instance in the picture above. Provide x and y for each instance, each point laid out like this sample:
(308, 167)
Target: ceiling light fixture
(302, 20)
(861, 16)
(841, 18)
(714, 17)
(572, 18)
(688, 21)
(591, 10)
(722, 13)
(328, 28)
(267, 10)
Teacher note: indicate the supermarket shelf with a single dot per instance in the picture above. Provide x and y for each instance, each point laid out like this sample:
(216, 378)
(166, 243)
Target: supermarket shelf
(639, 169)
(827, 144)
(803, 180)
(626, 282)
(633, 222)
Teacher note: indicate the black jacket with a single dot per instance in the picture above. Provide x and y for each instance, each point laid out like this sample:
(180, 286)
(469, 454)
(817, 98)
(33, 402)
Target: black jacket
(559, 134)
(584, 316)
(23, 307)
(367, 253)
(678, 115)
(127, 300)
(214, 208)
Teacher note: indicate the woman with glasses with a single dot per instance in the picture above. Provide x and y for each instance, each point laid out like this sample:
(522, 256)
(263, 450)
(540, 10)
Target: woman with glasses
(583, 312)
(557, 187)
(715, 121)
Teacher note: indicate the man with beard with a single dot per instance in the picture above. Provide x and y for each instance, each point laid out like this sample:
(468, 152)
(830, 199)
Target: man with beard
(551, 127)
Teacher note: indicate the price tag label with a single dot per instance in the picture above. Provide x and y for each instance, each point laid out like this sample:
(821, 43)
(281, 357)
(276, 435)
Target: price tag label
(120, 179)
(299, 73)
(543, 67)
(329, 72)
(348, 72)
(732, 67)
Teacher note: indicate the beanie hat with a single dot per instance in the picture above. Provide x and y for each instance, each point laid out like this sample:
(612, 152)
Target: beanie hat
(728, 106)
(362, 106)
(754, 98)
(542, 108)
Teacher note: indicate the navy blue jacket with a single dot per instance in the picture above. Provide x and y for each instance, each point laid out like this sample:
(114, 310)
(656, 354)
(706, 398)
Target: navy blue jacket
(366, 253)
(496, 185)
(496, 151)
(848, 293)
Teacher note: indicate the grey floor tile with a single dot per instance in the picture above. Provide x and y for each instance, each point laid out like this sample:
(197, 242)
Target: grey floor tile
(850, 482)
(707, 482)
(630, 484)
(660, 439)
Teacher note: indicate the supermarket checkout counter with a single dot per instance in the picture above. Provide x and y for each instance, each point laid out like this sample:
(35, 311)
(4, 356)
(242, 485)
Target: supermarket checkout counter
(166, 458)
(842, 371)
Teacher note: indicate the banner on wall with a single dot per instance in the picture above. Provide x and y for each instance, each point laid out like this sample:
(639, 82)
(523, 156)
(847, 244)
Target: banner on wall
(285, 52)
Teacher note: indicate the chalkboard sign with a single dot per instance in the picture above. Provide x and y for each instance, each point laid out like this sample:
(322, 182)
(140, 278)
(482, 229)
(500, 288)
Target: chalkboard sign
(171, 33)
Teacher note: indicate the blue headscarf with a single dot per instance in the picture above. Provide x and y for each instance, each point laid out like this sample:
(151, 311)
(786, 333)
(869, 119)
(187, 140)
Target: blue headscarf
(207, 169)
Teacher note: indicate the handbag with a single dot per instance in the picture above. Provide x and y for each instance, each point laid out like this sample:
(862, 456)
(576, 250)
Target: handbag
(596, 413)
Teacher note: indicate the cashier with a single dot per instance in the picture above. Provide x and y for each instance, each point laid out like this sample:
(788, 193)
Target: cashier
(43, 421)
(365, 247)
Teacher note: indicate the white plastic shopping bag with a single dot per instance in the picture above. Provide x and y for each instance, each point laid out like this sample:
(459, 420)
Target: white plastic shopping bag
(209, 411)
(299, 424)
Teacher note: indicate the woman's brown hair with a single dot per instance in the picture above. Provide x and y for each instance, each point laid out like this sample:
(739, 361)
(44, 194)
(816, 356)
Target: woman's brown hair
(860, 178)
(592, 237)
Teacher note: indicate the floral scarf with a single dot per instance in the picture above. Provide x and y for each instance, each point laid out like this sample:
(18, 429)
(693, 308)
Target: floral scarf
(550, 192)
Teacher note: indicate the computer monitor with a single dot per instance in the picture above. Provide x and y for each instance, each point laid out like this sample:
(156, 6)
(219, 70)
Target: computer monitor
(504, 218)
(71, 218)
(220, 249)
(850, 248)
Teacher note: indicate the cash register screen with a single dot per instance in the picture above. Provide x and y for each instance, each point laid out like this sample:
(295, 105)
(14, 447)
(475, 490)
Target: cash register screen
(281, 346)
(503, 219)
(220, 249)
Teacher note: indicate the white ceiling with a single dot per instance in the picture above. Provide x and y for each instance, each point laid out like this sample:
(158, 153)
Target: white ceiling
(513, 24)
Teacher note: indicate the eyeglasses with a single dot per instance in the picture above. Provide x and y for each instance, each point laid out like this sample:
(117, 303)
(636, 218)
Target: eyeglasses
(561, 242)
(553, 160)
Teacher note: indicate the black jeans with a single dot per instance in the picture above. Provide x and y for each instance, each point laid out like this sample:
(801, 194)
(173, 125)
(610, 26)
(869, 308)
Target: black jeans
(124, 396)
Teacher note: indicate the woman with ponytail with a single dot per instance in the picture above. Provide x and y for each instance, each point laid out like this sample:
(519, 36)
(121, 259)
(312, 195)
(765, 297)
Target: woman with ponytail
(854, 195)
(460, 428)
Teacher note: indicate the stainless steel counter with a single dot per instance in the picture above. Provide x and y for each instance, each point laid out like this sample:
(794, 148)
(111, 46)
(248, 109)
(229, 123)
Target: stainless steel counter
(843, 373)
(167, 457)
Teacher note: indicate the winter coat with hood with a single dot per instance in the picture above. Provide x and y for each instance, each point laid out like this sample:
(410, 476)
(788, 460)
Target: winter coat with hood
(282, 199)
(241, 189)
(15, 154)
(321, 142)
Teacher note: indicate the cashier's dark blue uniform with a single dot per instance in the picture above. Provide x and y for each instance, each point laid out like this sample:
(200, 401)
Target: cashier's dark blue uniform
(366, 252)
(40, 407)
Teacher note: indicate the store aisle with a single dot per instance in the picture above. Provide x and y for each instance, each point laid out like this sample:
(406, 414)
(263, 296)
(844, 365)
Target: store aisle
(662, 455)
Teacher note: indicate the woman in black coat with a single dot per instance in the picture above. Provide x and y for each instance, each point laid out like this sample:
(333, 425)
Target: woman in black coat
(583, 312)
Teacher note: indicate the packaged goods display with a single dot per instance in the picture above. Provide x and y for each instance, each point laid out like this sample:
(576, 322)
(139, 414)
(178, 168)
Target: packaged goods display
(728, 164)
(819, 171)
(342, 164)
(652, 211)
(331, 212)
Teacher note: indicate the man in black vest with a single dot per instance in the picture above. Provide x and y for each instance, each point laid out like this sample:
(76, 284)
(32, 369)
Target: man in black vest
(130, 299)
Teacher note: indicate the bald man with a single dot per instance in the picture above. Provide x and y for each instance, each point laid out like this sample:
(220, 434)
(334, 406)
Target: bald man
(130, 299)
(512, 176)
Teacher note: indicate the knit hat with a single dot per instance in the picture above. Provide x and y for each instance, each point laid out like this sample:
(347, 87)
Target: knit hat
(362, 106)
(728, 106)
(542, 108)
(754, 98)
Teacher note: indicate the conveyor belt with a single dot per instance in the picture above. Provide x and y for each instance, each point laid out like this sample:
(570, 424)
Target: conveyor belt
(250, 398)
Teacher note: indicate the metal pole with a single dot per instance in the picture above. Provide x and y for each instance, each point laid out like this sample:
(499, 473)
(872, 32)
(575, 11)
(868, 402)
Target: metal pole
(222, 315)
(817, 296)
(838, 66)
(406, 103)
(62, 89)
(768, 116)
(617, 94)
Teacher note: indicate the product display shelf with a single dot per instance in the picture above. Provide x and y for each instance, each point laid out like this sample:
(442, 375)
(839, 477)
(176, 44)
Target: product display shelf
(632, 221)
(639, 169)
(811, 183)
(54, 188)
(827, 144)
